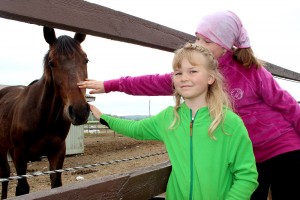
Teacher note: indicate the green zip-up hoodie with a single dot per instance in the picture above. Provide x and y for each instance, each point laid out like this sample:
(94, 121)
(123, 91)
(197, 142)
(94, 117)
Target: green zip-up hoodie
(202, 168)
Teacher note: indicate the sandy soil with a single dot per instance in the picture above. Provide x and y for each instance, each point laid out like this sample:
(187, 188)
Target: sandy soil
(97, 148)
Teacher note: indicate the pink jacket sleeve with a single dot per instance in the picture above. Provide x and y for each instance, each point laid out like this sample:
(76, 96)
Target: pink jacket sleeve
(279, 99)
(146, 85)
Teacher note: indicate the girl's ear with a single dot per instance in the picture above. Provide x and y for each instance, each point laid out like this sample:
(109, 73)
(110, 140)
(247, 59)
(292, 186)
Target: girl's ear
(211, 79)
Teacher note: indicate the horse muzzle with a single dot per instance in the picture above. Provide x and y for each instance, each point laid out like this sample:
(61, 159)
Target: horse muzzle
(79, 114)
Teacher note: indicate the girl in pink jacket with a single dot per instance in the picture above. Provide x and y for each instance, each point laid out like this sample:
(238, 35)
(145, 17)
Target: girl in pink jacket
(271, 114)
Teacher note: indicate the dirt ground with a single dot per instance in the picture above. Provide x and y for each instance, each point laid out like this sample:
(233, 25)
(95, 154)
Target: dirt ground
(98, 148)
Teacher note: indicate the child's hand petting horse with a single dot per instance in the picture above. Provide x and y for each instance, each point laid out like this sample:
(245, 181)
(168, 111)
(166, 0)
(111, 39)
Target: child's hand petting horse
(95, 111)
(96, 86)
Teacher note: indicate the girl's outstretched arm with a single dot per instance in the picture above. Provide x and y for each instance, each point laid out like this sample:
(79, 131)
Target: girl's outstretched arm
(148, 85)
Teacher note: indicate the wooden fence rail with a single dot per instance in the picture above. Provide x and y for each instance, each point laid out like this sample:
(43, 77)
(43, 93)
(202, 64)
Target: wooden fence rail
(93, 19)
(142, 184)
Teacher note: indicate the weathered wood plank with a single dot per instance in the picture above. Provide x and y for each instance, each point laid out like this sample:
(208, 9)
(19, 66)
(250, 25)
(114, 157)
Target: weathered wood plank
(282, 72)
(93, 19)
(143, 183)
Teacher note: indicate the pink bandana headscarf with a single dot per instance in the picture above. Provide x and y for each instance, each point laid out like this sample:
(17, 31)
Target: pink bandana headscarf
(225, 29)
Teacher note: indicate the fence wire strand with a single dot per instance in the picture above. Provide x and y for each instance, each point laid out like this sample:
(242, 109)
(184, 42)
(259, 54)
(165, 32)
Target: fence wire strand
(39, 173)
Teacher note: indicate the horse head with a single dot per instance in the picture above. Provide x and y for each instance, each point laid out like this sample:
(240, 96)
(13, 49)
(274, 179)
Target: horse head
(65, 65)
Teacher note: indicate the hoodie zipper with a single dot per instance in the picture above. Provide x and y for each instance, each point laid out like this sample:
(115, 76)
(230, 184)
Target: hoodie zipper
(191, 156)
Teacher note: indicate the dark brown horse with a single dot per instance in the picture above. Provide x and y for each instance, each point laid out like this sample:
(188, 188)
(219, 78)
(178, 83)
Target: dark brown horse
(35, 119)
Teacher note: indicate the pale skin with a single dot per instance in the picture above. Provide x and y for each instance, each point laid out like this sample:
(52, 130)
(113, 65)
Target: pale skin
(190, 81)
(96, 112)
(98, 86)
(216, 49)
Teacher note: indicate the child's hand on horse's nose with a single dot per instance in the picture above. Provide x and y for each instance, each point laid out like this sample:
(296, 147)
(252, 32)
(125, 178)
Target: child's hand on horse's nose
(95, 111)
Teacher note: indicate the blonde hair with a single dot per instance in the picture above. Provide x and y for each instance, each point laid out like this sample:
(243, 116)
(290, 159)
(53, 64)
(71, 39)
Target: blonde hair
(246, 57)
(217, 98)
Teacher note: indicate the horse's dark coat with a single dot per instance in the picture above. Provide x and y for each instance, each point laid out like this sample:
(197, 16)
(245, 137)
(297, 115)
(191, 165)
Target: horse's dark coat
(35, 119)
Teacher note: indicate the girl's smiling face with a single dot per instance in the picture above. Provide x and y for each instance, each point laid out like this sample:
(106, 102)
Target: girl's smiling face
(191, 79)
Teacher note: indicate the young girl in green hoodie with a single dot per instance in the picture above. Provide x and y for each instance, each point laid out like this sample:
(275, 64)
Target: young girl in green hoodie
(207, 143)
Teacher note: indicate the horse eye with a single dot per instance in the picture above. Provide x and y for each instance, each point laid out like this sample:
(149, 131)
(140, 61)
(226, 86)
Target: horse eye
(50, 63)
(86, 61)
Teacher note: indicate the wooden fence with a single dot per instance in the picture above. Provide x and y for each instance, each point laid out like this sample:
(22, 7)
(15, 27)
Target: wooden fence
(92, 19)
(145, 183)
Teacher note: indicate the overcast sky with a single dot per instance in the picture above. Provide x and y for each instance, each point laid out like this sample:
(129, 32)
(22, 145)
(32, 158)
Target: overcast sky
(273, 27)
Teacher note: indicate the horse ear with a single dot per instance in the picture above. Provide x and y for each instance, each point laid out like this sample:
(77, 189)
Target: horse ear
(49, 35)
(79, 37)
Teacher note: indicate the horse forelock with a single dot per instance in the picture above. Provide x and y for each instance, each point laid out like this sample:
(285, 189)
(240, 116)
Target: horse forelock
(67, 46)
